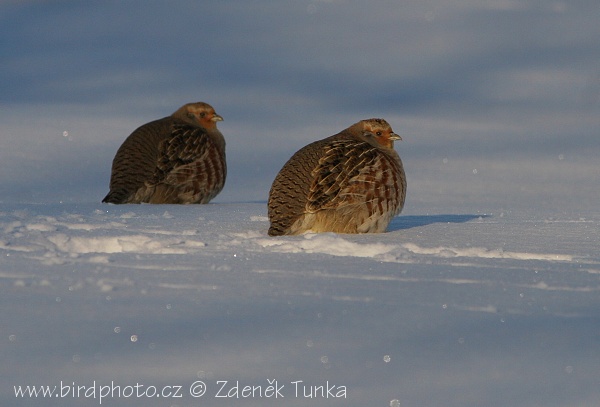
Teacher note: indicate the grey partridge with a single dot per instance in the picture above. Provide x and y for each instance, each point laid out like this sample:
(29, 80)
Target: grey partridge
(352, 182)
(179, 159)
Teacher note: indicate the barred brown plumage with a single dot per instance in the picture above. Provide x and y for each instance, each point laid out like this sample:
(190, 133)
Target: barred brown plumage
(179, 159)
(352, 182)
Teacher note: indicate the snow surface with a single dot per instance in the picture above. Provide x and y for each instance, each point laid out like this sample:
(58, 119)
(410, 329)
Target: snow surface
(448, 308)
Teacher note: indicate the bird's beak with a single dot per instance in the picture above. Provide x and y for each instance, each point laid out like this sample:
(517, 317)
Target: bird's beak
(216, 118)
(394, 136)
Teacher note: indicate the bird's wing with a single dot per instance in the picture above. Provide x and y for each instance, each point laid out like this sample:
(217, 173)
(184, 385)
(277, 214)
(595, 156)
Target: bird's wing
(190, 164)
(290, 189)
(178, 153)
(135, 161)
(341, 174)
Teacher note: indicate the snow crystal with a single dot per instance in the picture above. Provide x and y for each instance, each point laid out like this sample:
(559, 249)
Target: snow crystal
(40, 227)
(259, 219)
(327, 243)
(484, 253)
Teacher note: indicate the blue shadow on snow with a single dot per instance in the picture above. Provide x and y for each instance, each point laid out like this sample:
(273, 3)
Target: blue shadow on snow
(413, 221)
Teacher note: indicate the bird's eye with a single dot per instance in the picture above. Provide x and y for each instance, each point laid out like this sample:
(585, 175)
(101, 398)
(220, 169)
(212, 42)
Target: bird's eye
(378, 133)
(202, 114)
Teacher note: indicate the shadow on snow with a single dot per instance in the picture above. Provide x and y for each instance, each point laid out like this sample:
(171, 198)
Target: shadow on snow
(413, 221)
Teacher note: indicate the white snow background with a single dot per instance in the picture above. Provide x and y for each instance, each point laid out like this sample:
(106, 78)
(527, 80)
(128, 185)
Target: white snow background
(485, 291)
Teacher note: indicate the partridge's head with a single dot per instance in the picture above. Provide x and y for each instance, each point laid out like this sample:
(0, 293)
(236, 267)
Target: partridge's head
(200, 114)
(377, 132)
